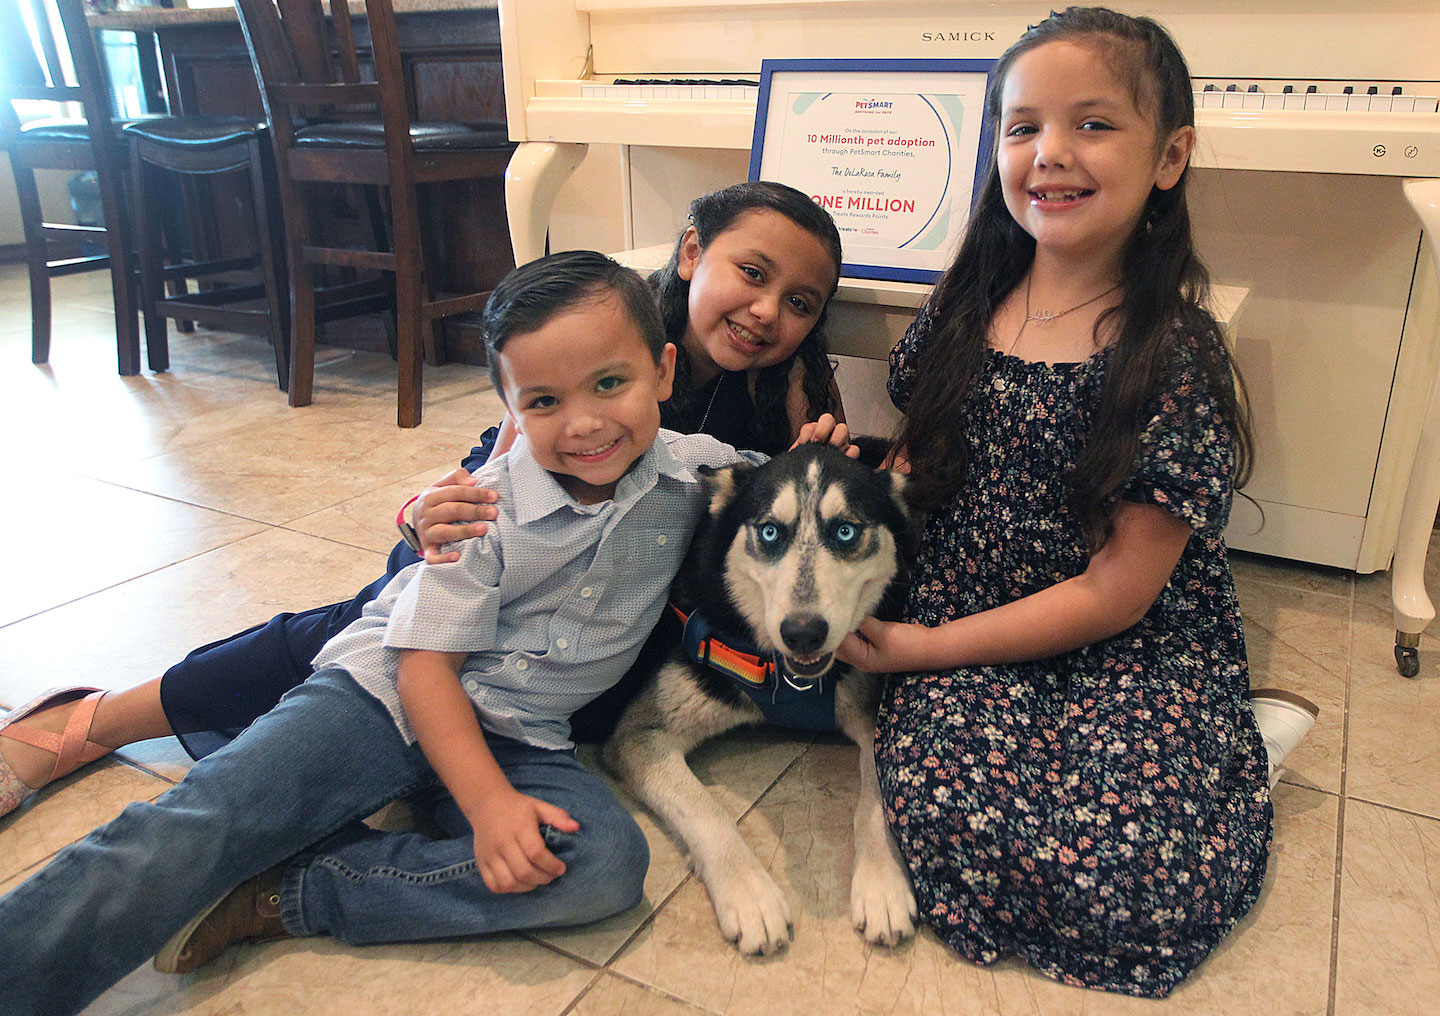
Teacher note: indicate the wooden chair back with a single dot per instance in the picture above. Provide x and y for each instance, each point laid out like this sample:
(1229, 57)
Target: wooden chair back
(63, 66)
(317, 82)
(41, 65)
(309, 66)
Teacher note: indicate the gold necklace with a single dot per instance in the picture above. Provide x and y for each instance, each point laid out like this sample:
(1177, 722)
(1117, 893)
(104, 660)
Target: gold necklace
(1046, 317)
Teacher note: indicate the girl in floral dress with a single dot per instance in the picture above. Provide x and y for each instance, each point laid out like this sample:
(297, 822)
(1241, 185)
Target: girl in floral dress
(1068, 754)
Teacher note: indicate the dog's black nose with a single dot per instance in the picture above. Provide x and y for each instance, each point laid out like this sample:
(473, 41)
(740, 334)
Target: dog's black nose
(804, 633)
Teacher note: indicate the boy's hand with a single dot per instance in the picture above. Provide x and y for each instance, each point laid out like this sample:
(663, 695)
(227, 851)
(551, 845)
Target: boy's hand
(450, 510)
(510, 848)
(827, 430)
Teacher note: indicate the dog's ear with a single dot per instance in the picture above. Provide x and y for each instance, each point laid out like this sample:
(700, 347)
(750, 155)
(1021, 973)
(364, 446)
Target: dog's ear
(899, 483)
(721, 484)
(902, 493)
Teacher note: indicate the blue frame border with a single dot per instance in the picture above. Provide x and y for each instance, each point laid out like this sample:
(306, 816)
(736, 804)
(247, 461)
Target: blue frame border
(768, 68)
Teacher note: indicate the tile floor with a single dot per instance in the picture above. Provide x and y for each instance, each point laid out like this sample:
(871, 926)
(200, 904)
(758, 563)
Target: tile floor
(156, 513)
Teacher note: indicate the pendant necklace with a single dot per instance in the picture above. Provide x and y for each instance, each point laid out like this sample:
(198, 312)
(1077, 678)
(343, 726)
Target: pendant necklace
(713, 392)
(1045, 317)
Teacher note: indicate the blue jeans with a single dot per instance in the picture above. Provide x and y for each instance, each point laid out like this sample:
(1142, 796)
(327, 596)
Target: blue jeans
(295, 785)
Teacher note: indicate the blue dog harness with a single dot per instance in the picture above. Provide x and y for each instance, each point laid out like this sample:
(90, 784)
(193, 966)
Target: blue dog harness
(786, 699)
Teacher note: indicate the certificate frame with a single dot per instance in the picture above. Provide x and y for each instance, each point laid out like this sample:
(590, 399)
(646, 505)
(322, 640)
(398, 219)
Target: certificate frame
(895, 149)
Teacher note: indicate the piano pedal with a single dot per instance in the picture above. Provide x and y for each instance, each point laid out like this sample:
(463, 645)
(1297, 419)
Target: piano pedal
(1407, 653)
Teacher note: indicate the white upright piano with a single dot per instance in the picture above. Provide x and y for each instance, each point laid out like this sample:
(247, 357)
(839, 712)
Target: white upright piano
(1316, 197)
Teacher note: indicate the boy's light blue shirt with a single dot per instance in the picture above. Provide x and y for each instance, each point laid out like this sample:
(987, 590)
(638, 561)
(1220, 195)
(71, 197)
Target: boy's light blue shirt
(553, 603)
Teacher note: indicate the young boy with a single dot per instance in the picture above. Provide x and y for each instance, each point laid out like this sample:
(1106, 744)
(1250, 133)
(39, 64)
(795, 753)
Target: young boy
(457, 681)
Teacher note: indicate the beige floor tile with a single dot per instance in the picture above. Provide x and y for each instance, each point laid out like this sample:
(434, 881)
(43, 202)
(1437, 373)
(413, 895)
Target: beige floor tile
(139, 532)
(1394, 754)
(468, 412)
(737, 769)
(258, 473)
(615, 996)
(1274, 663)
(683, 953)
(1315, 624)
(68, 809)
(368, 520)
(134, 631)
(321, 977)
(1276, 571)
(1389, 926)
(163, 756)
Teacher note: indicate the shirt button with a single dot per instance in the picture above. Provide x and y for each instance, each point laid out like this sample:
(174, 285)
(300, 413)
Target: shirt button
(586, 593)
(662, 539)
(472, 685)
(521, 665)
(562, 643)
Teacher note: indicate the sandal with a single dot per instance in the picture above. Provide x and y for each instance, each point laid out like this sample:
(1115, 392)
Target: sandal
(72, 748)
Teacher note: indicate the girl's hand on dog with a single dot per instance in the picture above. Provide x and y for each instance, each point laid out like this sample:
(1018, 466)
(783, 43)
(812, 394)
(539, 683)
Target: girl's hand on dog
(451, 510)
(509, 846)
(883, 647)
(827, 430)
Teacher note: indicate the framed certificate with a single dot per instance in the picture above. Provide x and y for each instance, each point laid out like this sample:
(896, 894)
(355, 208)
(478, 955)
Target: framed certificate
(895, 150)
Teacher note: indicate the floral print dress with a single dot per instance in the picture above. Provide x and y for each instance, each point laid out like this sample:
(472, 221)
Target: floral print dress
(1104, 814)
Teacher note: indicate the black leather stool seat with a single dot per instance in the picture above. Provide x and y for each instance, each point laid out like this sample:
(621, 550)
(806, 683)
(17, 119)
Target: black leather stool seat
(196, 131)
(76, 130)
(426, 137)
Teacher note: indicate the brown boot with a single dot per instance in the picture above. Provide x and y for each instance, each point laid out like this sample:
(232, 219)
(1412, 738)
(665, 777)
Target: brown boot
(248, 913)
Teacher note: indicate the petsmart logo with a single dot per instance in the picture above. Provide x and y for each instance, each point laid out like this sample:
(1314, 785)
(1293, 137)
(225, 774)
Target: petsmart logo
(873, 104)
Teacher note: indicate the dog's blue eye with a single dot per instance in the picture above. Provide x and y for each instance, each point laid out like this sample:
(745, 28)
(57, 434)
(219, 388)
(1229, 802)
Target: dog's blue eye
(846, 533)
(770, 533)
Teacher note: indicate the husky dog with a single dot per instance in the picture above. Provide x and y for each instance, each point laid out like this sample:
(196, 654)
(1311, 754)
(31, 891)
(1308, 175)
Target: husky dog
(788, 559)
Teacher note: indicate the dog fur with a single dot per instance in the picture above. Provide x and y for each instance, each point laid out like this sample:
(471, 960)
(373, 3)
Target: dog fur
(791, 556)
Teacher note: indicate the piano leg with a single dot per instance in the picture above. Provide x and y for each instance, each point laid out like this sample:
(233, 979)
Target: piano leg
(1412, 607)
(533, 178)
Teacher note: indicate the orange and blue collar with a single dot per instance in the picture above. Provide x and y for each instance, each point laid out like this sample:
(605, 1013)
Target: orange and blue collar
(758, 675)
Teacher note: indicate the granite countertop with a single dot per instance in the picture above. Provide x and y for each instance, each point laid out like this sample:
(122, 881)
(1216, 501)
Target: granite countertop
(149, 18)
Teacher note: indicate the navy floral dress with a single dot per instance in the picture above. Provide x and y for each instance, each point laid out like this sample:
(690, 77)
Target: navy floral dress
(1104, 814)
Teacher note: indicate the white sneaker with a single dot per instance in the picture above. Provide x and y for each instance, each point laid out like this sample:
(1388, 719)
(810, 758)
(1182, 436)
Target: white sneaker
(1284, 718)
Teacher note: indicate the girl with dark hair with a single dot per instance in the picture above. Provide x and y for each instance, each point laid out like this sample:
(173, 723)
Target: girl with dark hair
(743, 297)
(1068, 753)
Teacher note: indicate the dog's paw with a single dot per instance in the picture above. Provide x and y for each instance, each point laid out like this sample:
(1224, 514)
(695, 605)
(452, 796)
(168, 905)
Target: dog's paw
(751, 909)
(881, 904)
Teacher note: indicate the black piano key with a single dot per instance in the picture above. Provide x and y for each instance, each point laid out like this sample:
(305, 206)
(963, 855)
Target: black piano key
(1254, 88)
(1311, 89)
(699, 82)
(1289, 89)
(1373, 90)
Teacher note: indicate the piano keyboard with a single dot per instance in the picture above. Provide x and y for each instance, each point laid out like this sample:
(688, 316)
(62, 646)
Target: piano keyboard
(741, 89)
(1364, 97)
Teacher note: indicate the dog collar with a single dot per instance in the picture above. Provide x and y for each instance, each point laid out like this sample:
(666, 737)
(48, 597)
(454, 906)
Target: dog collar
(703, 645)
(807, 705)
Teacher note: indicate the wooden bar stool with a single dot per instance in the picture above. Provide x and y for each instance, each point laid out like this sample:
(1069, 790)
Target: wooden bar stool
(205, 147)
(330, 127)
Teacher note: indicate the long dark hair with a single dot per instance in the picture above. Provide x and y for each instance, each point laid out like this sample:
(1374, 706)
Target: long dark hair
(1164, 285)
(711, 215)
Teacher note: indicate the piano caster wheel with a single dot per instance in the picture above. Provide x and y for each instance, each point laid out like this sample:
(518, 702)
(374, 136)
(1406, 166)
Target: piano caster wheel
(1407, 659)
